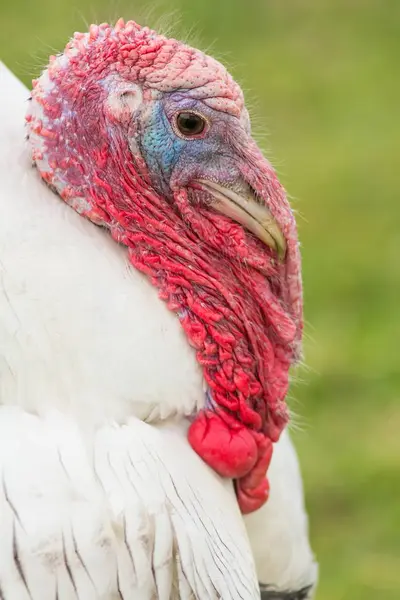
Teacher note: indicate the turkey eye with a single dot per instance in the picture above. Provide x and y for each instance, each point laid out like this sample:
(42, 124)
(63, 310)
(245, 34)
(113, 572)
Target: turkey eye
(190, 124)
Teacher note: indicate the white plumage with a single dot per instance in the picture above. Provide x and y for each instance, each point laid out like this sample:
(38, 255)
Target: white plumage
(100, 494)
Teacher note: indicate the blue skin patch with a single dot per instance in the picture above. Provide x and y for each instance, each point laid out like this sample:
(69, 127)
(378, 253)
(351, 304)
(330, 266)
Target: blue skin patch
(167, 155)
(161, 146)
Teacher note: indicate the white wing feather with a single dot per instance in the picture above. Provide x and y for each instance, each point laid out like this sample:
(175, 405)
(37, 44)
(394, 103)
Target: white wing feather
(115, 515)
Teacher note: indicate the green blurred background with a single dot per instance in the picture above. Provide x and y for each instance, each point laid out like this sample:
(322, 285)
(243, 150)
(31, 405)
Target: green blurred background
(322, 77)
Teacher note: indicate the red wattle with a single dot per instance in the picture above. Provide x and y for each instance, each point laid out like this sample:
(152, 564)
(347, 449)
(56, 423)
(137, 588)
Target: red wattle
(252, 490)
(230, 452)
(252, 499)
(235, 452)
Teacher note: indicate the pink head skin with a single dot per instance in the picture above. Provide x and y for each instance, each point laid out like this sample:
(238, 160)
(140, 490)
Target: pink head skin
(150, 138)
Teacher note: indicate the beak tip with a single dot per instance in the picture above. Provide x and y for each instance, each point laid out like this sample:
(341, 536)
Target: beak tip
(281, 250)
(245, 210)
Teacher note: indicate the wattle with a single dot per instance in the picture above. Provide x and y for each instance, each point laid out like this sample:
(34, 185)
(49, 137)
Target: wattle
(234, 451)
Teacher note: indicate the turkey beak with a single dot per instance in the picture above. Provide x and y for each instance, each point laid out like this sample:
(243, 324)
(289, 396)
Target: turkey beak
(246, 210)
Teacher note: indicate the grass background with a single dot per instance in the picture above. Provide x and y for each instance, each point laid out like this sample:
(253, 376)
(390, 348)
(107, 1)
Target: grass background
(323, 79)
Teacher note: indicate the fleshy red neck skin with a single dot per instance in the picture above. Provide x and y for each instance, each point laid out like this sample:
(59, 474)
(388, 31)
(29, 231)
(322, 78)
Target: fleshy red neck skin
(102, 134)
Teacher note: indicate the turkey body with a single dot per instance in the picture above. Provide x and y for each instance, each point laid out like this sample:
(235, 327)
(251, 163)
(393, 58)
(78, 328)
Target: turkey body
(101, 495)
(95, 502)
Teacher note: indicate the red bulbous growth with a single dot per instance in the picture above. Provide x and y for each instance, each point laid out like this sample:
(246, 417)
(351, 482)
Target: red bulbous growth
(231, 452)
(234, 451)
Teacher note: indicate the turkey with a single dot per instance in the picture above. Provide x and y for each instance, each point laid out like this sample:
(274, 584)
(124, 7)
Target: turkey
(144, 350)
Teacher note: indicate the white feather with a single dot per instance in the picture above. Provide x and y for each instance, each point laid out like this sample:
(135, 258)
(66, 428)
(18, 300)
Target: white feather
(114, 512)
(278, 531)
(94, 502)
